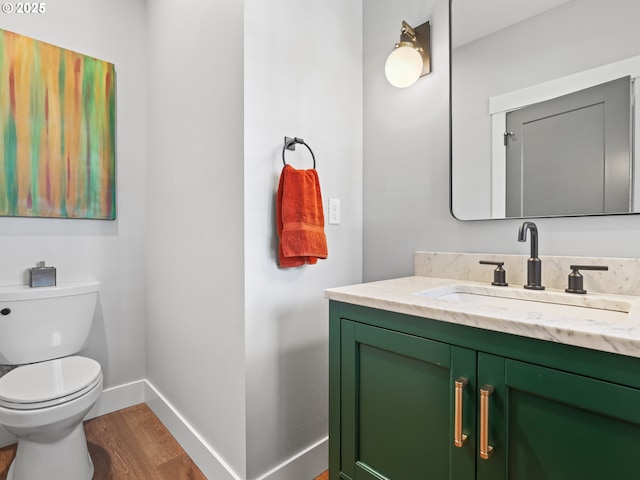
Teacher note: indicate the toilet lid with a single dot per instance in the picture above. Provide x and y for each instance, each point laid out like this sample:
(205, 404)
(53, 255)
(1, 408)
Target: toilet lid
(44, 384)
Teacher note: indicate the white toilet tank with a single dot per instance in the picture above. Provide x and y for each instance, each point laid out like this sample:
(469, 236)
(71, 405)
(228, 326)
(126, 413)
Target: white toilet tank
(38, 324)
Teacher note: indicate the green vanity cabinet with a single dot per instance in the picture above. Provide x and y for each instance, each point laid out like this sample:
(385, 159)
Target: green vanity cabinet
(396, 398)
(548, 412)
(551, 424)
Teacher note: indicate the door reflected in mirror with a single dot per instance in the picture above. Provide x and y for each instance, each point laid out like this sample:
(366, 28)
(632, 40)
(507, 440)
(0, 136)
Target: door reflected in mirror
(542, 108)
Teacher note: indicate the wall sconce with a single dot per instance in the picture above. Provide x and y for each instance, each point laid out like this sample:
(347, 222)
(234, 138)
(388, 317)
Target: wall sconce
(410, 58)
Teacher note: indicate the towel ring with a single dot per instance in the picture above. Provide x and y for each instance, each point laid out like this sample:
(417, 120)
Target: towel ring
(290, 144)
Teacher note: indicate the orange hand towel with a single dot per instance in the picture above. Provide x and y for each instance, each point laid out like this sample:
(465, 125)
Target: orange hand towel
(300, 218)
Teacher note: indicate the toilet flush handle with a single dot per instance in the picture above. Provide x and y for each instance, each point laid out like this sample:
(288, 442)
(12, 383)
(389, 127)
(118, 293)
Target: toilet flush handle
(5, 311)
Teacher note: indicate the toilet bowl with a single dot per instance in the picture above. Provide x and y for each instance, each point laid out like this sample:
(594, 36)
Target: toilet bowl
(43, 405)
(48, 388)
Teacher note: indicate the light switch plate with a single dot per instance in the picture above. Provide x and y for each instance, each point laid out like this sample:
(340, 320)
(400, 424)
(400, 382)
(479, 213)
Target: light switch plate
(334, 211)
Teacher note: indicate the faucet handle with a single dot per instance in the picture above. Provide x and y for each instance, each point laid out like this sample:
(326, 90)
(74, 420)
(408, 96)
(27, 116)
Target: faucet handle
(499, 274)
(576, 279)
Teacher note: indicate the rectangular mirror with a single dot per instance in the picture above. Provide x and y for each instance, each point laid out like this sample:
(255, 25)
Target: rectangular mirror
(542, 108)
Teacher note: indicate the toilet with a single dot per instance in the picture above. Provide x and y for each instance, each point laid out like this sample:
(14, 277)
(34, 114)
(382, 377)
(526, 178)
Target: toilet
(46, 388)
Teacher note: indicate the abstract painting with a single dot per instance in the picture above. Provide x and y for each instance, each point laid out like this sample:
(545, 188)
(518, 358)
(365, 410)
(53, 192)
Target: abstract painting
(57, 131)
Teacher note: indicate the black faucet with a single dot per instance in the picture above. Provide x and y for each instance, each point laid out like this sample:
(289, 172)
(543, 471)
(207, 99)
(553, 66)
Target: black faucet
(534, 264)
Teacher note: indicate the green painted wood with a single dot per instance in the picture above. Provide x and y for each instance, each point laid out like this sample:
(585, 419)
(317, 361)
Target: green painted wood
(364, 472)
(410, 346)
(335, 376)
(349, 399)
(557, 412)
(403, 414)
(565, 426)
(397, 422)
(606, 366)
(402, 432)
(582, 392)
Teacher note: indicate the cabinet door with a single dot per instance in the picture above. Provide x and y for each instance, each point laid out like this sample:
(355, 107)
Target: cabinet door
(397, 406)
(557, 425)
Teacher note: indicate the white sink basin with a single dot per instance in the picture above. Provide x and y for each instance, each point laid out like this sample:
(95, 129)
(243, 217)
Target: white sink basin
(587, 307)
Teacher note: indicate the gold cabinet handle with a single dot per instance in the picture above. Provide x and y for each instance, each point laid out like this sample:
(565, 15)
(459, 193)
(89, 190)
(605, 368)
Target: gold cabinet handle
(485, 449)
(459, 438)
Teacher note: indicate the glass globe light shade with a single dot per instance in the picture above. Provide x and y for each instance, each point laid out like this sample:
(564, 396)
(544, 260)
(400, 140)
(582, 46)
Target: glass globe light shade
(403, 66)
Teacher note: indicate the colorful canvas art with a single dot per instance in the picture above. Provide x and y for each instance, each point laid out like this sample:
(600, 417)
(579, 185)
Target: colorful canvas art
(57, 131)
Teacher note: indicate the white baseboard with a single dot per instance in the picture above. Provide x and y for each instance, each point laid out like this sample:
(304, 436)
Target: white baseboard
(304, 465)
(117, 398)
(206, 458)
(307, 464)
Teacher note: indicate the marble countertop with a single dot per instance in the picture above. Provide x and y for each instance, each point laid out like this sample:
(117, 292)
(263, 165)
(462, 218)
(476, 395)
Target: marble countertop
(550, 324)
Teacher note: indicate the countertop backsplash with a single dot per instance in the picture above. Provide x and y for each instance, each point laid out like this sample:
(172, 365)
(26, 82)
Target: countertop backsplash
(622, 278)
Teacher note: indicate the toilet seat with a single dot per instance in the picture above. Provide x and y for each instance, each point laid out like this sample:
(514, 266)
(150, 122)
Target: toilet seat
(45, 384)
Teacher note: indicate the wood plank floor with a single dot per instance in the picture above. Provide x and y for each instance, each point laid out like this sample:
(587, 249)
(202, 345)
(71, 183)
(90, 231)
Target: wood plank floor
(131, 444)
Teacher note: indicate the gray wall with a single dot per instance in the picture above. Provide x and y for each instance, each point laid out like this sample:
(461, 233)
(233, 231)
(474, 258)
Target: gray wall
(406, 172)
(195, 212)
(235, 344)
(108, 251)
(303, 77)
